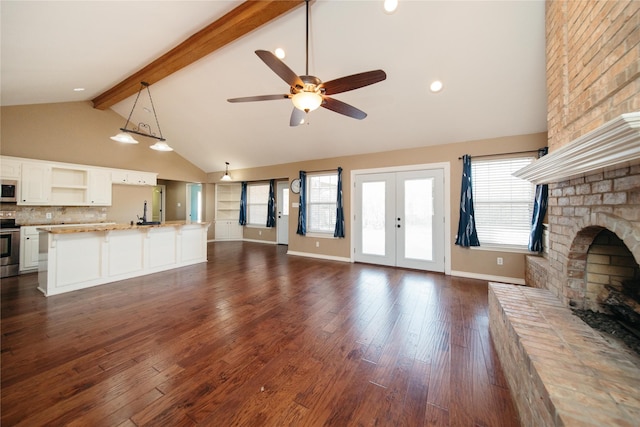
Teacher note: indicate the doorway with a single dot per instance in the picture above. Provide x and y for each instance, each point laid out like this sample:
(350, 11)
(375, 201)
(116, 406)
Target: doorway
(194, 202)
(282, 221)
(400, 219)
(158, 203)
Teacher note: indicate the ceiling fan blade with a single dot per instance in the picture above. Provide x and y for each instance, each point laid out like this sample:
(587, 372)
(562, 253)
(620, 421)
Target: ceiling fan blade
(343, 108)
(280, 68)
(259, 98)
(354, 81)
(297, 117)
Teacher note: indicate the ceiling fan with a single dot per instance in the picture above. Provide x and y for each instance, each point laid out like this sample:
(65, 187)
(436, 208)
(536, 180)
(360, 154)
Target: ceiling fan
(309, 92)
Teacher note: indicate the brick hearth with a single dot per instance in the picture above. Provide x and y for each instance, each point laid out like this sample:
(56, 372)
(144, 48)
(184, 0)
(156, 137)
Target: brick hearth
(561, 372)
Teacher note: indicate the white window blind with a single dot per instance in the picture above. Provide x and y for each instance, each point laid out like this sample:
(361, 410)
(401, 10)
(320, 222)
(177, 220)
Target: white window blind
(257, 201)
(503, 204)
(322, 192)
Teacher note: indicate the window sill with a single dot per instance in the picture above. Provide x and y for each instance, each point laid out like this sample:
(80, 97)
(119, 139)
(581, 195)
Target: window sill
(317, 235)
(503, 248)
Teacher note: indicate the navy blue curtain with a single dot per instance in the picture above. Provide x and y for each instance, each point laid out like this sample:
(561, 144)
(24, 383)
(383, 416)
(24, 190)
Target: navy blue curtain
(539, 211)
(339, 230)
(242, 220)
(271, 205)
(467, 234)
(302, 211)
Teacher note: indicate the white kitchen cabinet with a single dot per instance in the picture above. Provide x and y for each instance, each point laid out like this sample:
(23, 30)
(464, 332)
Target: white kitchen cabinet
(227, 212)
(73, 257)
(28, 249)
(35, 184)
(10, 169)
(134, 177)
(99, 190)
(228, 230)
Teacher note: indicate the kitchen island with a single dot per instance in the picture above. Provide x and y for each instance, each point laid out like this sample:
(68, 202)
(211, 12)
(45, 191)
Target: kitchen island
(78, 257)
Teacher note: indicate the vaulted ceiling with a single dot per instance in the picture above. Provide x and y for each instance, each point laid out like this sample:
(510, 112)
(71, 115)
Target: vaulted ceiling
(490, 56)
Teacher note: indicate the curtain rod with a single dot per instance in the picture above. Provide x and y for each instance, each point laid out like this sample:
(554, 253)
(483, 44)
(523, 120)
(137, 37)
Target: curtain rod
(322, 170)
(505, 154)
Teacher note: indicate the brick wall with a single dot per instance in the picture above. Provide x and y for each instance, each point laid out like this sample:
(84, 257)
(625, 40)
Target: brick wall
(593, 65)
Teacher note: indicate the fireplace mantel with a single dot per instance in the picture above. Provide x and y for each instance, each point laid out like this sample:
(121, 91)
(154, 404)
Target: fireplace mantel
(613, 145)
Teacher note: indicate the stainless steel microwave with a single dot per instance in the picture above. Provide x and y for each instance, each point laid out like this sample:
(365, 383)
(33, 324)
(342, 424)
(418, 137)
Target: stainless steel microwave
(9, 191)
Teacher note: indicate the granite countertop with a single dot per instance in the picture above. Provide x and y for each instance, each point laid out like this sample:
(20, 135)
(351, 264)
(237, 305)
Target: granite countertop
(57, 223)
(111, 227)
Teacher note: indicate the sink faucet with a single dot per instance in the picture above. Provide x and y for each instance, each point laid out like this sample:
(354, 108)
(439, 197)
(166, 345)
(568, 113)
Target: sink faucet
(144, 213)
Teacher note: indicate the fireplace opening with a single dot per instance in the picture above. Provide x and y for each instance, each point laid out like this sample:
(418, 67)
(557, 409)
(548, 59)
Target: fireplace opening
(612, 278)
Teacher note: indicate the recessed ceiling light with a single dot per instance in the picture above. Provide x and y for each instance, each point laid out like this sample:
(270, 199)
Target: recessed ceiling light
(435, 86)
(78, 89)
(280, 53)
(390, 5)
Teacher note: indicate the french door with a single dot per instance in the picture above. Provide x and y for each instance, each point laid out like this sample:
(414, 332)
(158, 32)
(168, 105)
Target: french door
(399, 219)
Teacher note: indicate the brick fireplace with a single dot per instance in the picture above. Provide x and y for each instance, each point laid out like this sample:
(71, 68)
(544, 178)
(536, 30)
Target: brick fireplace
(560, 370)
(594, 185)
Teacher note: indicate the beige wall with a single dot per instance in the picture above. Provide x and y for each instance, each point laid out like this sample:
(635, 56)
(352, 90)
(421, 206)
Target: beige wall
(74, 132)
(464, 260)
(176, 195)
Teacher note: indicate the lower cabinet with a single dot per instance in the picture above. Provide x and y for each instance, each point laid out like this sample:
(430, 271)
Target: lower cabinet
(76, 260)
(228, 230)
(28, 249)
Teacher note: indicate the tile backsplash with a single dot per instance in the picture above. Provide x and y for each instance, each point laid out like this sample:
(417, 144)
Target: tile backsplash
(37, 215)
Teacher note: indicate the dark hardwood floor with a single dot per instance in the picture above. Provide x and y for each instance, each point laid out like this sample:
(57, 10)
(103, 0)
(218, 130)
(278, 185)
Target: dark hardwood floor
(254, 338)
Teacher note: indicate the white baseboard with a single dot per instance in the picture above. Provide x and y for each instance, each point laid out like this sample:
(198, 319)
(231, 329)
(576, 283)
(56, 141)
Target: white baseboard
(319, 256)
(260, 241)
(488, 277)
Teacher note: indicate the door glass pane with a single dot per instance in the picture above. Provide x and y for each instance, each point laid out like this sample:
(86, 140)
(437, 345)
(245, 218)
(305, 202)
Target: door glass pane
(284, 203)
(373, 218)
(418, 212)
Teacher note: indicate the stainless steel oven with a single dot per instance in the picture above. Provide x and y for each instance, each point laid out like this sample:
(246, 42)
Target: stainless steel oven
(9, 244)
(8, 191)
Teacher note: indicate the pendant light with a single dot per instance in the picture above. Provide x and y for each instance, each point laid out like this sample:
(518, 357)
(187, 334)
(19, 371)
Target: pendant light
(142, 129)
(226, 176)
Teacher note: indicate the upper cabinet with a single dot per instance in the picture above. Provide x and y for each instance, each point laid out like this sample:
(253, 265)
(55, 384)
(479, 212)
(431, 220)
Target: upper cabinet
(63, 184)
(99, 187)
(134, 177)
(10, 169)
(35, 184)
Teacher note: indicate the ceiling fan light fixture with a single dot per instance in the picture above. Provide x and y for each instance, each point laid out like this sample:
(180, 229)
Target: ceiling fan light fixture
(306, 101)
(125, 138)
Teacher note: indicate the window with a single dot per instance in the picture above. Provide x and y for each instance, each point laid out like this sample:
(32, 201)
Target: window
(257, 201)
(503, 204)
(322, 192)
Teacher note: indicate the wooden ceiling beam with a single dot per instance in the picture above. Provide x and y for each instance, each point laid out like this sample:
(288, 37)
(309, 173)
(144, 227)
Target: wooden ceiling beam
(240, 21)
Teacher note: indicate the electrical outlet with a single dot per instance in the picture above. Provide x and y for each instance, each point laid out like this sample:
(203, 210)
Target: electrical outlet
(500, 260)
(317, 244)
(48, 215)
(259, 232)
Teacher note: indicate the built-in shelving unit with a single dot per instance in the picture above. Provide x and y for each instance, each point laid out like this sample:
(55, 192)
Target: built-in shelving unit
(228, 212)
(69, 186)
